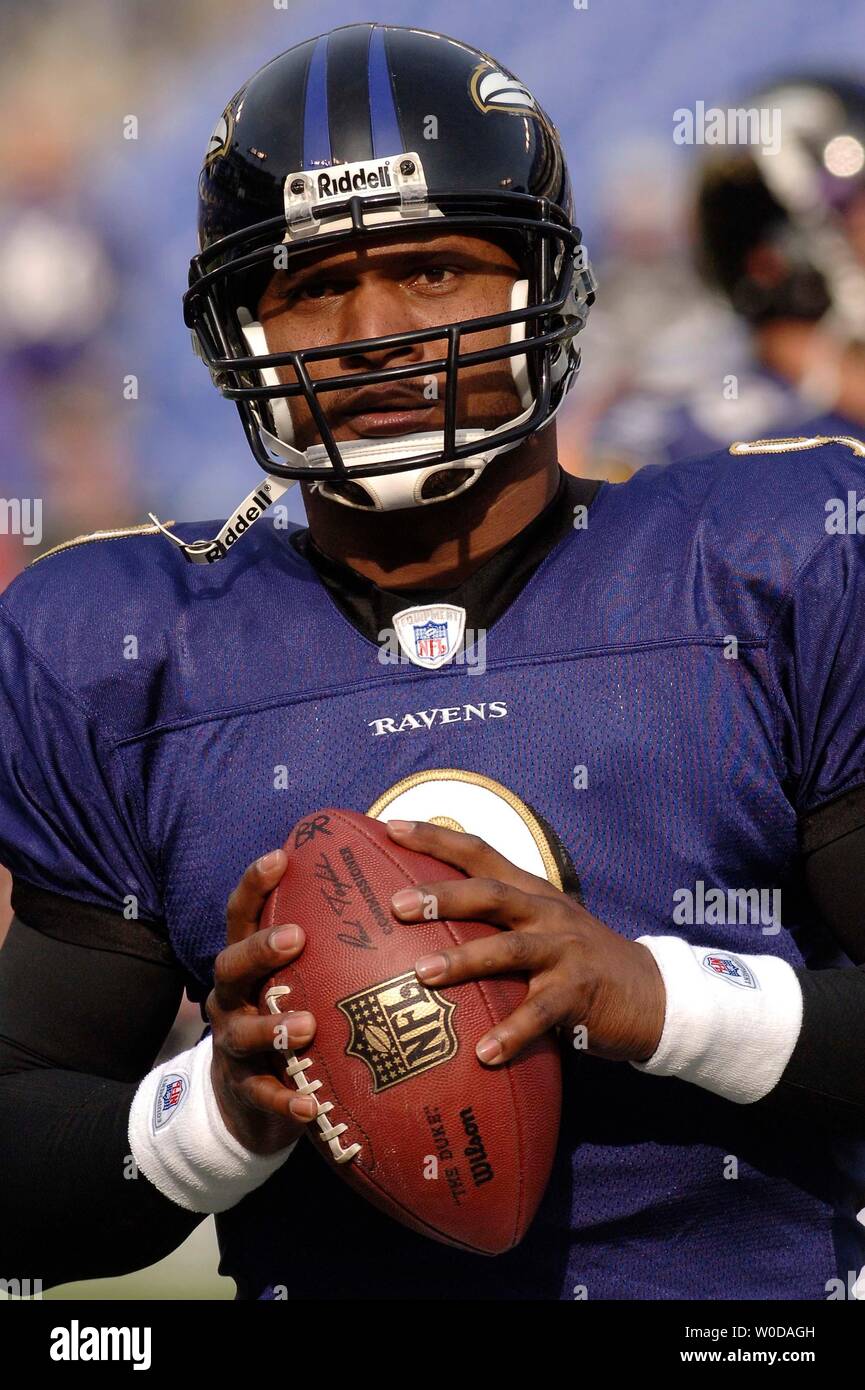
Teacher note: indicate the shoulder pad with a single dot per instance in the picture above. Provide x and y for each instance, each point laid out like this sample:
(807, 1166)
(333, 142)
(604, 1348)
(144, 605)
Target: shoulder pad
(146, 530)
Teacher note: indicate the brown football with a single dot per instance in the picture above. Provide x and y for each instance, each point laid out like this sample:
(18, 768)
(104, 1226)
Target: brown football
(408, 1115)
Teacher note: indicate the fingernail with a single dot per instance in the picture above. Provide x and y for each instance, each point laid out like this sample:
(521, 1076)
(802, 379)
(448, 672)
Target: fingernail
(408, 900)
(268, 862)
(402, 827)
(304, 1107)
(298, 1025)
(430, 967)
(489, 1050)
(285, 938)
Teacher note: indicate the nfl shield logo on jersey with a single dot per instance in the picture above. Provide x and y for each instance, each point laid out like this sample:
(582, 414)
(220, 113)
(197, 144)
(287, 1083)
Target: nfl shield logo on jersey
(429, 636)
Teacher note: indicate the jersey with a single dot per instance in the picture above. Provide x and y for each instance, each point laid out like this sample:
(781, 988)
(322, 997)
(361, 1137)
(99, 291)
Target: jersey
(677, 685)
(649, 427)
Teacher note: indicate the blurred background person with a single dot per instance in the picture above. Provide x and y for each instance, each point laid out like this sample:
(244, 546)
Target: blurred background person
(779, 240)
(655, 329)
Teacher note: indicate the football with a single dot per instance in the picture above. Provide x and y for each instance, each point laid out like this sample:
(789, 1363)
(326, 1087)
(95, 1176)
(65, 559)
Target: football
(408, 1115)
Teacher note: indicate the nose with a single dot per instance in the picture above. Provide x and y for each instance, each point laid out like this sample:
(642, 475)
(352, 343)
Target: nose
(375, 310)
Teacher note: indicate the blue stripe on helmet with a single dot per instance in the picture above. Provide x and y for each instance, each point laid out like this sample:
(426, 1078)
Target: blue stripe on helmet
(386, 134)
(316, 131)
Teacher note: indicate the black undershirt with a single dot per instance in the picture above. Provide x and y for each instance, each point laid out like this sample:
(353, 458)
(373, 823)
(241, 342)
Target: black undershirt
(486, 595)
(87, 998)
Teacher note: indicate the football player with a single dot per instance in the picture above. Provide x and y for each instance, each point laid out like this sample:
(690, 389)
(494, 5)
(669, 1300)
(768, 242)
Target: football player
(781, 236)
(631, 714)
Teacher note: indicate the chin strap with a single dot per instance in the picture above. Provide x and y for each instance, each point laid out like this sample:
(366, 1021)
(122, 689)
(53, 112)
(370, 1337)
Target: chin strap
(390, 492)
(253, 506)
(387, 491)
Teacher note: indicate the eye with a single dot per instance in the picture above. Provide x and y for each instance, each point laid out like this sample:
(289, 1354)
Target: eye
(310, 291)
(314, 289)
(434, 277)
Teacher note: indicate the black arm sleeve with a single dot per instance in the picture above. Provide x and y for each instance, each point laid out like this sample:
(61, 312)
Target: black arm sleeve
(79, 1026)
(824, 1080)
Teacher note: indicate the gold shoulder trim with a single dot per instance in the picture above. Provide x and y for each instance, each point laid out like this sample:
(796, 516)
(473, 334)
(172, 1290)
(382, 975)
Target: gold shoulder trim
(146, 530)
(783, 446)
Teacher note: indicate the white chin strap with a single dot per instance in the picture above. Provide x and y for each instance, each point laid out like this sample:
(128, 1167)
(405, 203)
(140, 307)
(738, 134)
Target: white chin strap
(388, 492)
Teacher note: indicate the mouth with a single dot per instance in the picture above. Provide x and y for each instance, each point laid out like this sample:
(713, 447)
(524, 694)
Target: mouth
(371, 414)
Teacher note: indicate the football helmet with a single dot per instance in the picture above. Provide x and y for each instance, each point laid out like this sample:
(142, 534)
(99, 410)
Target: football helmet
(373, 129)
(794, 201)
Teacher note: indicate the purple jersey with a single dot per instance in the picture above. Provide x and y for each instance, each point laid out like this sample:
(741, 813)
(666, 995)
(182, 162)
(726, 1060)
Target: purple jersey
(679, 682)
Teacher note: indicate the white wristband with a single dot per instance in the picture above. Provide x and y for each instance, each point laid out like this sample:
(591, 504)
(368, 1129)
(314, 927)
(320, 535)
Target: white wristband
(180, 1141)
(731, 1022)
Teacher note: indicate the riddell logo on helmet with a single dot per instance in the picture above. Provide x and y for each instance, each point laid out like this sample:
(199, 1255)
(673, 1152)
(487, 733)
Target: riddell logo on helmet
(354, 178)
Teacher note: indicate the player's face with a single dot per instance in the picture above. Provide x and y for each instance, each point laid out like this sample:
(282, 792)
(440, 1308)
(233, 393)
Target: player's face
(389, 287)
